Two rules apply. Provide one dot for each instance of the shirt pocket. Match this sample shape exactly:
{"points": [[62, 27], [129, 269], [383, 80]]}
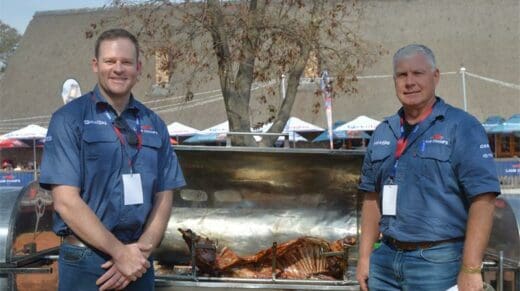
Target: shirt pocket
{"points": [[435, 159], [380, 159], [149, 153], [101, 146]]}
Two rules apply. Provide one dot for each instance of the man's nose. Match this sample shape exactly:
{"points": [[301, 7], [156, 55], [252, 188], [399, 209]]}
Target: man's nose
{"points": [[118, 67], [410, 80]]}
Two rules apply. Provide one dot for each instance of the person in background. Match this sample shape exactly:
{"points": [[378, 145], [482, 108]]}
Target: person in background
{"points": [[112, 172], [7, 165], [430, 185]]}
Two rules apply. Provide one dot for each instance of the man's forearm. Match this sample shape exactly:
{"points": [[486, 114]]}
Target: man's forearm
{"points": [[480, 221], [158, 219], [370, 217], [82, 220]]}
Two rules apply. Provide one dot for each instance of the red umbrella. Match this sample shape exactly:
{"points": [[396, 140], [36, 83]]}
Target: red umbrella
{"points": [[12, 143]]}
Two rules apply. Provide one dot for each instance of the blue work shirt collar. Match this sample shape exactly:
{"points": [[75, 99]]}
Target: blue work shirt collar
{"points": [[438, 112], [102, 103]]}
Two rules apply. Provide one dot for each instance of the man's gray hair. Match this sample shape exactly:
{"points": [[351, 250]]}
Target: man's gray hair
{"points": [[414, 49]]}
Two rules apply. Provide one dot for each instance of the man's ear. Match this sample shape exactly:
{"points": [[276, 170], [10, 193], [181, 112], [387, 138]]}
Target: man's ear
{"points": [[139, 66], [94, 65], [436, 76]]}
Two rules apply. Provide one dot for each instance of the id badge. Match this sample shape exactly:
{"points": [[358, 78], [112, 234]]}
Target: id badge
{"points": [[132, 189], [389, 200]]}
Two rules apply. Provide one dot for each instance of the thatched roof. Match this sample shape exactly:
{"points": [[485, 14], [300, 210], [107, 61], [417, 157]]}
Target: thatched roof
{"points": [[482, 36]]}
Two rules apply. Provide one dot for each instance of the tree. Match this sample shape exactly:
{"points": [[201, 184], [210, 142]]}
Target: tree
{"points": [[9, 39], [248, 42]]}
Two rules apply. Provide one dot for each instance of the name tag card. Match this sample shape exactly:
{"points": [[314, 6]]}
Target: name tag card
{"points": [[389, 200], [133, 189]]}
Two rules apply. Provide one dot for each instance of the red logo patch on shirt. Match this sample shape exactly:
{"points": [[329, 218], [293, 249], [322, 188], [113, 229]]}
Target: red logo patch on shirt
{"points": [[147, 127], [438, 136]]}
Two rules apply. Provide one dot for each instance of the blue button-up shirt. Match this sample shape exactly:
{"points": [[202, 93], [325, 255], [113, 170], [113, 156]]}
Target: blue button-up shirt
{"points": [[83, 150], [447, 162]]}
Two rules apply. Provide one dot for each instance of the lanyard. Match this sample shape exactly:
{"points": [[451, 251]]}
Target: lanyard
{"points": [[402, 142], [131, 161]]}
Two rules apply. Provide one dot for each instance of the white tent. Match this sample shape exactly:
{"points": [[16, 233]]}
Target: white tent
{"points": [[294, 124], [219, 128], [360, 123], [179, 129], [32, 132], [294, 137]]}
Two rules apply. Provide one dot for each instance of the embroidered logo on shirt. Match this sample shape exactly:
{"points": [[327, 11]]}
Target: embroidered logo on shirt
{"points": [[382, 142], [96, 122], [487, 156], [438, 139], [437, 136], [48, 138], [150, 131]]}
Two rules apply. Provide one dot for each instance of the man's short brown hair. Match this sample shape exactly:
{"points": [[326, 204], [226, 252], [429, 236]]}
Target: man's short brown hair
{"points": [[116, 33]]}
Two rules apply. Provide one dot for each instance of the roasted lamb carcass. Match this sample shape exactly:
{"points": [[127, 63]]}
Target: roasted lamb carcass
{"points": [[301, 258], [205, 251]]}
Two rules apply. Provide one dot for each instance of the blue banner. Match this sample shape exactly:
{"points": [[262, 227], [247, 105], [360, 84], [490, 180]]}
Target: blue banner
{"points": [[508, 167], [15, 178]]}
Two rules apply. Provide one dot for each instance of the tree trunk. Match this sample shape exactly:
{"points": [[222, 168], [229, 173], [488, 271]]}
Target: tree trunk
{"points": [[236, 90], [306, 46]]}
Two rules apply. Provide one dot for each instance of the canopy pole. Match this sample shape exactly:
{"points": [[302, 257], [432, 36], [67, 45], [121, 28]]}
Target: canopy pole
{"points": [[34, 160], [463, 75]]}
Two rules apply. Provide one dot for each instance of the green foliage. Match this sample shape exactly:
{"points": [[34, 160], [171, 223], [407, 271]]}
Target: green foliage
{"points": [[9, 38]]}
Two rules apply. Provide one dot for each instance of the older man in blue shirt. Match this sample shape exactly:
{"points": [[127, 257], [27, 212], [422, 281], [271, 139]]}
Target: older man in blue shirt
{"points": [[112, 172], [430, 183]]}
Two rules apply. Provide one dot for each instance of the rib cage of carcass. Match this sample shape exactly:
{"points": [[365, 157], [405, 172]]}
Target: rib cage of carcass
{"points": [[302, 258]]}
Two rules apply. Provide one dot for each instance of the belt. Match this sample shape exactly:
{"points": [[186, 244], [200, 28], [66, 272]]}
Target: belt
{"points": [[412, 246], [73, 240]]}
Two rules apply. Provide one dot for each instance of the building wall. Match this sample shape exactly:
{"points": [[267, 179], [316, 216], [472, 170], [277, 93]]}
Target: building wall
{"points": [[481, 35]]}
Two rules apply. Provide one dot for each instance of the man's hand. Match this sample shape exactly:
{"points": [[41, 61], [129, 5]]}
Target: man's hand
{"points": [[470, 282], [362, 274], [112, 279], [130, 261]]}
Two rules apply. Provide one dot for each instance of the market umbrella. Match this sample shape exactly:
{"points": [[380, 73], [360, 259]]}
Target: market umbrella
{"points": [[12, 143], [213, 134], [179, 129], [30, 132], [179, 132], [492, 122], [509, 126], [360, 123], [219, 128], [294, 124]]}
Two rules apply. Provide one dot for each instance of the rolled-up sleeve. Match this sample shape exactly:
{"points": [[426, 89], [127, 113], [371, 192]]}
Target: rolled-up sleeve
{"points": [[170, 174], [367, 180], [473, 160], [61, 162]]}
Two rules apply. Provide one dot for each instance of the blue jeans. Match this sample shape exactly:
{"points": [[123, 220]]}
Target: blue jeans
{"points": [[80, 267], [434, 269]]}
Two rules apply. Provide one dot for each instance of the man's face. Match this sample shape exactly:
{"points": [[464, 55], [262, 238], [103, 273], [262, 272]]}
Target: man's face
{"points": [[117, 67], [415, 82]]}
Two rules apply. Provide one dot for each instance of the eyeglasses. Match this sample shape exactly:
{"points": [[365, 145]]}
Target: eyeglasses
{"points": [[131, 136]]}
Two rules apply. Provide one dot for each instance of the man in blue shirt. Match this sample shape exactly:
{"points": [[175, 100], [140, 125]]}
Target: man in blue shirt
{"points": [[112, 172], [430, 183]]}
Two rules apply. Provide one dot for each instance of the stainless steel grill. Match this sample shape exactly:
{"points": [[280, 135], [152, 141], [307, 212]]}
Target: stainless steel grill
{"points": [[503, 251], [28, 248], [247, 199]]}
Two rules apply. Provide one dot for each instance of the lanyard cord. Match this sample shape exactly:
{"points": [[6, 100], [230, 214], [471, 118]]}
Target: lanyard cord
{"points": [[402, 142], [138, 131]]}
